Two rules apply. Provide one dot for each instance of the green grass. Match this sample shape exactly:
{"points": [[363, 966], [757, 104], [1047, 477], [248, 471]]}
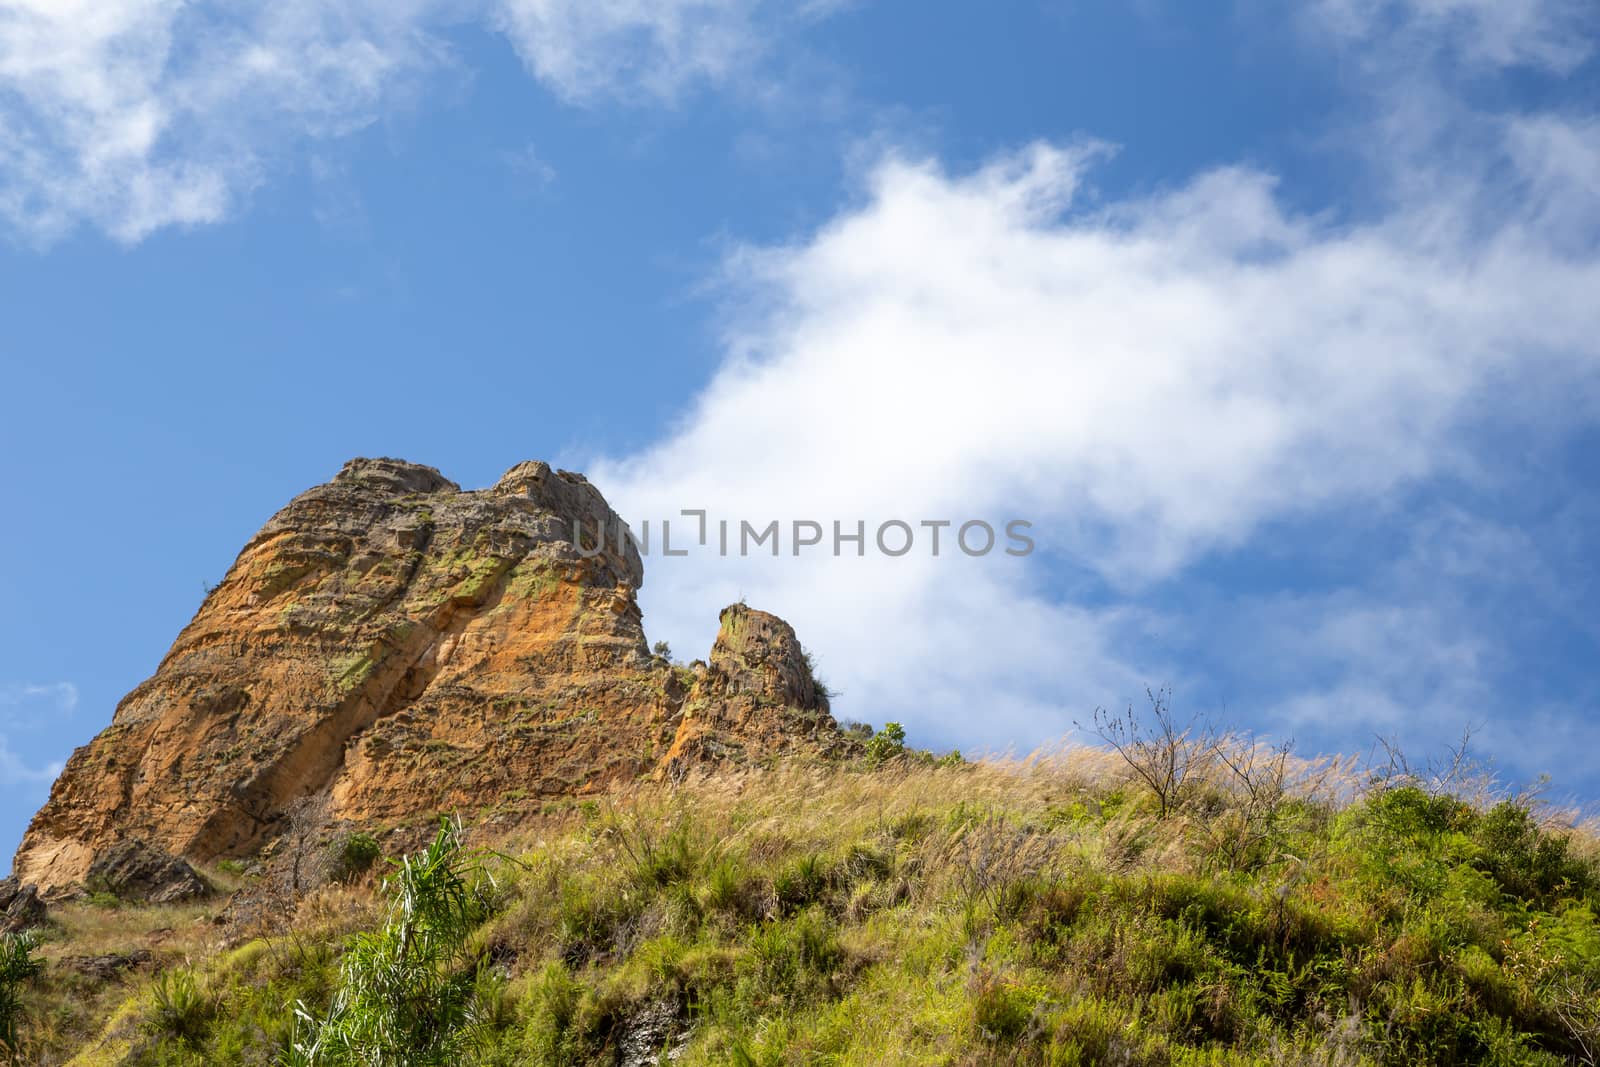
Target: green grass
{"points": [[1029, 913]]}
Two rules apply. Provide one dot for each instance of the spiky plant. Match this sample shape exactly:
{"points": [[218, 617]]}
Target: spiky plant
{"points": [[408, 992], [17, 965]]}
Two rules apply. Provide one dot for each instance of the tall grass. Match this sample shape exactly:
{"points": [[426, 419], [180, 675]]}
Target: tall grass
{"points": [[1046, 910]]}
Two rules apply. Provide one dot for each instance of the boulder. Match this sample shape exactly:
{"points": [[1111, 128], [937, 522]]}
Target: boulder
{"points": [[20, 907], [104, 968], [141, 873]]}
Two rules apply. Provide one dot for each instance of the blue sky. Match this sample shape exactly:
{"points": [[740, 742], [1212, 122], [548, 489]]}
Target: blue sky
{"points": [[1281, 323]]}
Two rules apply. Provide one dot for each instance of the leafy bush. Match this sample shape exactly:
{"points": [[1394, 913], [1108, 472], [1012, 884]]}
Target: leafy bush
{"points": [[886, 744], [352, 856], [792, 962], [1002, 1010], [1527, 862]]}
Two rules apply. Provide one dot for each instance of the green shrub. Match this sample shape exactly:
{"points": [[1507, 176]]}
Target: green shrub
{"points": [[1002, 1010], [352, 856], [801, 881], [886, 744], [551, 1035], [725, 886], [1528, 862], [790, 962], [180, 1012], [103, 898], [1409, 813]]}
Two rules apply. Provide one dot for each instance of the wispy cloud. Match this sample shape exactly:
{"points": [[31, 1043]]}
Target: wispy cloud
{"points": [[584, 50], [1554, 35], [529, 169], [54, 697], [14, 771], [29, 706], [134, 115]]}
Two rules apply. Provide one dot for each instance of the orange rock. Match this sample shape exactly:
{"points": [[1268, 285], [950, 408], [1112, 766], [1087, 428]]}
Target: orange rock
{"points": [[404, 648]]}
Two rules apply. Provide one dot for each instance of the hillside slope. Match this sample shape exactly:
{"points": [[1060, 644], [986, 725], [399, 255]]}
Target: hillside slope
{"points": [[913, 913]]}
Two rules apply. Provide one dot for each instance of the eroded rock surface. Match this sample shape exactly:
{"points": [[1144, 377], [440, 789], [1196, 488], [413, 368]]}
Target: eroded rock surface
{"points": [[138, 872], [105, 968], [20, 907], [401, 647], [757, 686]]}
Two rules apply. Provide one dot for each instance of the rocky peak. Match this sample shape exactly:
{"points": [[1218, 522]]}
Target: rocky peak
{"points": [[390, 646], [760, 655], [395, 476]]}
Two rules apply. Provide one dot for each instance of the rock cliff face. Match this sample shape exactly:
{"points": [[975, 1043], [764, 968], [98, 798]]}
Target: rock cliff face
{"points": [[394, 647]]}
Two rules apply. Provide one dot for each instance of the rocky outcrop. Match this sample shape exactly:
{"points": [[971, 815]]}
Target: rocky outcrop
{"points": [[105, 968], [760, 657], [755, 690], [20, 907], [394, 647], [137, 872]]}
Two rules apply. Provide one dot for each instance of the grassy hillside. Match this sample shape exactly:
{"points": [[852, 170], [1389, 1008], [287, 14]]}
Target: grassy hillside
{"points": [[899, 912]]}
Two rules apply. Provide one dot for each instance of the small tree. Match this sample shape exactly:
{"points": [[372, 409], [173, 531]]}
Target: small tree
{"points": [[1166, 757], [307, 818], [17, 965], [887, 743], [859, 730], [408, 992], [1258, 777]]}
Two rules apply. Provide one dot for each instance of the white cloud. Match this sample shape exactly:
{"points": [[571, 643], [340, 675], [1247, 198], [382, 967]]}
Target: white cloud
{"points": [[134, 115], [1149, 381], [138, 114], [584, 48], [1552, 34]]}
